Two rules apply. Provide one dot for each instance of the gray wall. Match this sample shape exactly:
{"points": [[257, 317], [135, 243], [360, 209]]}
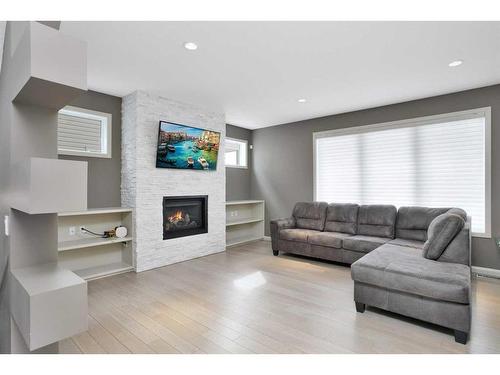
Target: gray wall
{"points": [[238, 179], [104, 175], [283, 156]]}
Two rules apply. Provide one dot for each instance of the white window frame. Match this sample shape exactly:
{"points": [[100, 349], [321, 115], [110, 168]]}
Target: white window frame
{"points": [[426, 120], [246, 151], [106, 132]]}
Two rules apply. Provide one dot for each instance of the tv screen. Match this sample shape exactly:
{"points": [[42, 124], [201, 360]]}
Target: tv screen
{"points": [[185, 147]]}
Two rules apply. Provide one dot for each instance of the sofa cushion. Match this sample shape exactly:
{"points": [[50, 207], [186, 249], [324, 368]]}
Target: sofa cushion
{"points": [[298, 234], [404, 269], [410, 243], [310, 215], [363, 244], [377, 220], [412, 222], [342, 217], [328, 239], [441, 232], [458, 251]]}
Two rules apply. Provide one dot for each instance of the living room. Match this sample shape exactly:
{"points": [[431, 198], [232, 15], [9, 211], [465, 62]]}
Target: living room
{"points": [[249, 187]]}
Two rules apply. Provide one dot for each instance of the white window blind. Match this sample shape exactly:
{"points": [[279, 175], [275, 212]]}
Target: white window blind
{"points": [[439, 161], [83, 132]]}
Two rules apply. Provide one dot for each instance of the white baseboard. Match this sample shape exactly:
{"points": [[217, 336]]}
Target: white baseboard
{"points": [[266, 238], [488, 272]]}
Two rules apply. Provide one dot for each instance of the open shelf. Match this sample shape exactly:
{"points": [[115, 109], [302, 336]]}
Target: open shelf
{"points": [[95, 211], [90, 242], [243, 221], [95, 257], [242, 240], [96, 272], [233, 203]]}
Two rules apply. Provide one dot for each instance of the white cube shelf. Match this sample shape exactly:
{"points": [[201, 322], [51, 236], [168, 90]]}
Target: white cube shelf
{"points": [[40, 186], [52, 67], [48, 304]]}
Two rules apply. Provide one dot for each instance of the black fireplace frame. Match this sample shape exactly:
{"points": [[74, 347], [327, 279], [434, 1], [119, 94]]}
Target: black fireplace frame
{"points": [[192, 231]]}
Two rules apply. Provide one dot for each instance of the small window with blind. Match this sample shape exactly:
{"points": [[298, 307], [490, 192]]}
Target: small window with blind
{"points": [[435, 161], [235, 153], [82, 132]]}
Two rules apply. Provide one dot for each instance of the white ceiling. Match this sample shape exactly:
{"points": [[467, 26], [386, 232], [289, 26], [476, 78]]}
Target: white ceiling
{"points": [[256, 71]]}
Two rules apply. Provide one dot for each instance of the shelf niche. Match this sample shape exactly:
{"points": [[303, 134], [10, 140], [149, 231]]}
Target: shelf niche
{"points": [[89, 256], [244, 221]]}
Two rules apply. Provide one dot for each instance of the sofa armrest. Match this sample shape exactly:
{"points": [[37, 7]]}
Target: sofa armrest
{"points": [[276, 226]]}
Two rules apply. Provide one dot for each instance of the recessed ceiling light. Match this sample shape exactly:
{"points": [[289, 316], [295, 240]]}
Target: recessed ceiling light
{"points": [[190, 46], [455, 63], [302, 100]]}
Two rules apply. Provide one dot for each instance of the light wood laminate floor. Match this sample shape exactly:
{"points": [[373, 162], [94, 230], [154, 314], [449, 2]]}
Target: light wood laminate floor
{"points": [[245, 300]]}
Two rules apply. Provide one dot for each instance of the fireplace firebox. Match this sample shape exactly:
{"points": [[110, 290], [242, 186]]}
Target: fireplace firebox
{"points": [[184, 216]]}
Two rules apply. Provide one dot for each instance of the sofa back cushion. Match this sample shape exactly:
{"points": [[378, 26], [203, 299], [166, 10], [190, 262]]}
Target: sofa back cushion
{"points": [[310, 215], [377, 220], [412, 222], [342, 217], [440, 234], [458, 251]]}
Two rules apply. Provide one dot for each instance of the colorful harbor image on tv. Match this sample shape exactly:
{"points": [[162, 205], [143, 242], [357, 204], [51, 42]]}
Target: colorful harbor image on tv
{"points": [[186, 147]]}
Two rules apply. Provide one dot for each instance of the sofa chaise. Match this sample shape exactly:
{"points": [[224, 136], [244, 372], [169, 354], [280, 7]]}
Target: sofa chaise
{"points": [[414, 261]]}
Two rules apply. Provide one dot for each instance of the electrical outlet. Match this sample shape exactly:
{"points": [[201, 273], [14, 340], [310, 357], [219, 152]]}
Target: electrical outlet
{"points": [[72, 231]]}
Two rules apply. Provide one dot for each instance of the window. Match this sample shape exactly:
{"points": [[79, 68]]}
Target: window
{"points": [[235, 154], [436, 161], [82, 132]]}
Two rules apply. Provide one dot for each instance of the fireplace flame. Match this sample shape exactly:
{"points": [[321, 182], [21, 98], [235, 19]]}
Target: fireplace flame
{"points": [[175, 217]]}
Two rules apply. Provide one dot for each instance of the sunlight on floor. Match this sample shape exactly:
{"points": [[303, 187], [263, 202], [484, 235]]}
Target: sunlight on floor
{"points": [[250, 281]]}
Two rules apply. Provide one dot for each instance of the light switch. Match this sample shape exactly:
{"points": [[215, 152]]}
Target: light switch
{"points": [[6, 224]]}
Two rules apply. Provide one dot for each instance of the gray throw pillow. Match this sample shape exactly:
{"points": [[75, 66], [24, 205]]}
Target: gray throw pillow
{"points": [[441, 232]]}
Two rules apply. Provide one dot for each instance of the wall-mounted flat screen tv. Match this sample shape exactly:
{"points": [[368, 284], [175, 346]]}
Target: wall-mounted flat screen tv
{"points": [[186, 147]]}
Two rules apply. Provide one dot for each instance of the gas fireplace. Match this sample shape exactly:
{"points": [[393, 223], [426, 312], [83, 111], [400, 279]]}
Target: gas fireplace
{"points": [[184, 216]]}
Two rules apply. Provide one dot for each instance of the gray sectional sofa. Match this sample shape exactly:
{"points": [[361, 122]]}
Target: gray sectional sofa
{"points": [[414, 261]]}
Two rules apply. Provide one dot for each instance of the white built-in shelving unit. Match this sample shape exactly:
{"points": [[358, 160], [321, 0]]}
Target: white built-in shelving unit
{"points": [[244, 221], [92, 257], [42, 71]]}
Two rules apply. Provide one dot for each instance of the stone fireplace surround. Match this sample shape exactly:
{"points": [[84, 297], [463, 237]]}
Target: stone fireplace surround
{"points": [[144, 185]]}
